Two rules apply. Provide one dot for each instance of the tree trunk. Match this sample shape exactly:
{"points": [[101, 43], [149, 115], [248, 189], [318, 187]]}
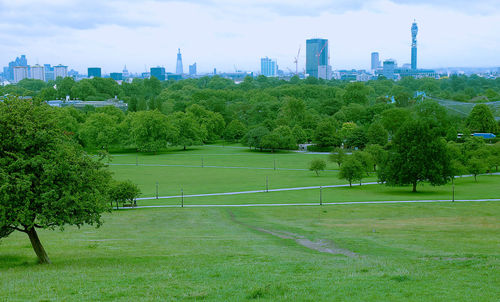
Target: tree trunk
{"points": [[37, 246], [375, 168], [184, 147], [414, 187], [350, 183], [475, 177]]}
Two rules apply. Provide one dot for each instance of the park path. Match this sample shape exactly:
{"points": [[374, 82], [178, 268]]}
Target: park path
{"points": [[208, 166], [255, 191], [308, 203], [270, 190]]}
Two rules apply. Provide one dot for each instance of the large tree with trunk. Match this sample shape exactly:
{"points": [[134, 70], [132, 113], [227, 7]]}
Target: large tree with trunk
{"points": [[47, 181], [417, 154]]}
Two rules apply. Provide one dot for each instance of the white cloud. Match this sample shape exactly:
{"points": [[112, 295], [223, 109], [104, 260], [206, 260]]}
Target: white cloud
{"points": [[224, 33]]}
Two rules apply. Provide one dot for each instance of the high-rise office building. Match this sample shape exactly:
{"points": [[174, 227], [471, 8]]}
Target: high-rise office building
{"points": [[117, 76], [388, 69], [60, 71], [19, 61], [268, 67], [49, 72], [375, 61], [37, 72], [94, 72], [192, 69], [158, 72], [178, 66], [414, 32], [317, 55], [20, 73]]}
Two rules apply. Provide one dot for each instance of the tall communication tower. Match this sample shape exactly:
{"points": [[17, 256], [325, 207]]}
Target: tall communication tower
{"points": [[414, 32]]}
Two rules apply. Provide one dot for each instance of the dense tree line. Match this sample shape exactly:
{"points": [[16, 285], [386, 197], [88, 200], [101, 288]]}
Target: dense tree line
{"points": [[263, 113]]}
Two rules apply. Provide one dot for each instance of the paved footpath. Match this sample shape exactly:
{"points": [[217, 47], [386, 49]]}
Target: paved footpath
{"points": [[307, 204], [257, 191]]}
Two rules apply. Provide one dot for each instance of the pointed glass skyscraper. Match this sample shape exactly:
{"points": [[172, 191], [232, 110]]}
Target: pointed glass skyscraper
{"points": [[414, 32], [178, 66]]}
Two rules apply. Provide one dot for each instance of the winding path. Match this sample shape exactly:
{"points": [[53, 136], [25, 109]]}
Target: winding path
{"points": [[308, 203]]}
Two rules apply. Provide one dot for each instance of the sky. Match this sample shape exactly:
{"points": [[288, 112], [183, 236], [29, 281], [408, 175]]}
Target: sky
{"points": [[235, 34]]}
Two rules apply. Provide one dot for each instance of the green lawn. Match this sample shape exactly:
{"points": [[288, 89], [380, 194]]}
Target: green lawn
{"points": [[198, 180], [410, 252], [371, 252], [487, 187]]}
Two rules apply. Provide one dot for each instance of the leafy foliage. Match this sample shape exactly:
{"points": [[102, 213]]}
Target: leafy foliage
{"points": [[46, 179], [417, 154]]}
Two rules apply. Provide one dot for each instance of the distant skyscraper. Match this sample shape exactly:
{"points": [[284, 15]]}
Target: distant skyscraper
{"points": [[37, 72], [117, 76], [60, 71], [49, 72], [158, 72], [414, 32], [375, 61], [192, 69], [125, 73], [268, 67], [94, 72], [316, 56], [19, 61], [20, 73], [178, 66], [388, 69]]}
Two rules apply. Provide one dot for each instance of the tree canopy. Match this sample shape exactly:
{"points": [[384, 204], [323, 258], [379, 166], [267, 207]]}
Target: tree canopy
{"points": [[46, 179], [417, 154]]}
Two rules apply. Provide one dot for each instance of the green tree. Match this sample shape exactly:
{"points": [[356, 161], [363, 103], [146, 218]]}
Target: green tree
{"points": [[365, 159], [393, 119], [494, 158], [83, 90], [99, 131], [337, 156], [122, 192], [481, 119], [190, 132], [293, 111], [317, 165], [325, 134], [357, 93], [352, 170], [254, 137], [417, 154], [299, 134], [46, 179], [151, 131], [356, 138], [476, 166], [235, 130], [63, 86], [378, 155], [377, 134]]}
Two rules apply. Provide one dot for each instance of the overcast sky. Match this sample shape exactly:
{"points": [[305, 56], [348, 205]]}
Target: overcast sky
{"points": [[231, 33]]}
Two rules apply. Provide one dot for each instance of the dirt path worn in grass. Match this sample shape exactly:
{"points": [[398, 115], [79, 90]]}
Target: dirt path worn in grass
{"points": [[321, 245]]}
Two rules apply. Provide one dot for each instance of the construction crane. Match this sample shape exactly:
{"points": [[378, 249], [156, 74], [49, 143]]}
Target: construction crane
{"points": [[296, 61]]}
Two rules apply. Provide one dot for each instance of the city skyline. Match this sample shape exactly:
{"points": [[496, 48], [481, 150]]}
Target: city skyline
{"points": [[224, 35]]}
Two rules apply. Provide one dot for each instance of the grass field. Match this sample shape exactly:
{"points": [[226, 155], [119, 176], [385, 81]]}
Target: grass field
{"points": [[371, 252], [226, 177], [197, 180], [410, 252]]}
